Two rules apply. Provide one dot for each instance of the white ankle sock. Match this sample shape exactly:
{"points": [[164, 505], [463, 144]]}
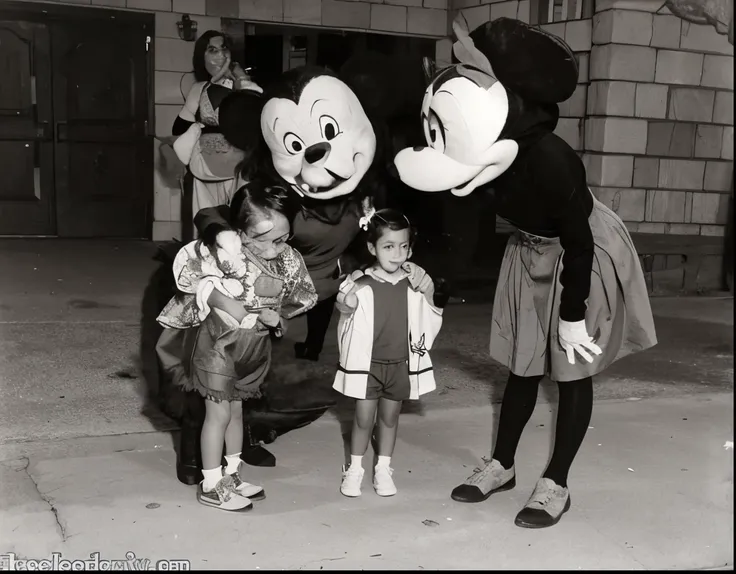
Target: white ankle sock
{"points": [[211, 478], [384, 461], [356, 460], [233, 463]]}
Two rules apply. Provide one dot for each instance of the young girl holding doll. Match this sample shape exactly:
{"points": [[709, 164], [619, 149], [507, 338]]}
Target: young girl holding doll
{"points": [[237, 302], [388, 322]]}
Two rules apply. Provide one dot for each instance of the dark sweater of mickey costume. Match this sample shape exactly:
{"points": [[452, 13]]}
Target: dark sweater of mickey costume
{"points": [[545, 193]]}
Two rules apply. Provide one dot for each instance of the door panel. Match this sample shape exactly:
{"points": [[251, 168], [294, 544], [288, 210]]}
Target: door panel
{"points": [[26, 144], [104, 156]]}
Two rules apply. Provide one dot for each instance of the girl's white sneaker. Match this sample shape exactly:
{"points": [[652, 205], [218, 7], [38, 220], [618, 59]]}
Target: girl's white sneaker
{"points": [[382, 481], [352, 479]]}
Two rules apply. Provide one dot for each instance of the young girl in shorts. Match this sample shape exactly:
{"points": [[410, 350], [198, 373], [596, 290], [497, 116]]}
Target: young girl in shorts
{"points": [[387, 325], [237, 303]]}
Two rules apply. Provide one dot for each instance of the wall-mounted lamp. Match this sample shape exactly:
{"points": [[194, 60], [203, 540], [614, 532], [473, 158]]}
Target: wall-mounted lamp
{"points": [[187, 28]]}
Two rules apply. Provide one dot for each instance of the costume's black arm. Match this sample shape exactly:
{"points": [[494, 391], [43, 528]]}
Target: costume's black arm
{"points": [[180, 126], [210, 221]]}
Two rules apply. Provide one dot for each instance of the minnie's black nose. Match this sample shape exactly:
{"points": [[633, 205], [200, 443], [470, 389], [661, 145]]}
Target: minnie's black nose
{"points": [[316, 152]]}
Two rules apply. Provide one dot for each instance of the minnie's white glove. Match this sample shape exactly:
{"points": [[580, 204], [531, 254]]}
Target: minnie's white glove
{"points": [[229, 252], [574, 337]]}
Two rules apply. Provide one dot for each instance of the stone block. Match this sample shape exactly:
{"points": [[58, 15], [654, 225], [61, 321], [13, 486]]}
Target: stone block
{"points": [[583, 67], [727, 143], [555, 28], [172, 55], [524, 13], [628, 204], [458, 4], [224, 8], [267, 10], [713, 230], [388, 18], [718, 72], [632, 226], [670, 139], [579, 35], [723, 108], [336, 14], [668, 281], [413, 3], [166, 24], [161, 204], [678, 68], [649, 227], [111, 3], [616, 135], [681, 229], [426, 21], [607, 98], [701, 38], [718, 176], [666, 32], [665, 206], [622, 27], [443, 53], [609, 170], [190, 7], [681, 174], [708, 141], [569, 129], [691, 105], [622, 62], [504, 9], [154, 5], [477, 15], [646, 172], [303, 11], [651, 101], [705, 208], [165, 116], [574, 106], [168, 88], [437, 4]]}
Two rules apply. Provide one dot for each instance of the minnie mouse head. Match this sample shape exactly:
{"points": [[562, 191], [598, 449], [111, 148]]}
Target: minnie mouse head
{"points": [[470, 109]]}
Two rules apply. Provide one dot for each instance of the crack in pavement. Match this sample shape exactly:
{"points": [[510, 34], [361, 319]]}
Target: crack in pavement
{"points": [[46, 499]]}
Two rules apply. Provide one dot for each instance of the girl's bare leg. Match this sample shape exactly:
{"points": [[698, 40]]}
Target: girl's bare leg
{"points": [[388, 425], [365, 416]]}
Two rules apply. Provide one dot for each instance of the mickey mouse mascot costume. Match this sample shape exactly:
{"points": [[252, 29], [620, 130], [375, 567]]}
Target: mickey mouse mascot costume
{"points": [[571, 296], [315, 140]]}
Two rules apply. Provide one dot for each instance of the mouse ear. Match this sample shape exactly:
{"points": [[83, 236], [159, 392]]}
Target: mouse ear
{"points": [[536, 65]]}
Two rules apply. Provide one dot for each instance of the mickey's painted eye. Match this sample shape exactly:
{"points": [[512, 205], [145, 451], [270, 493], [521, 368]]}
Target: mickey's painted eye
{"points": [[434, 132], [293, 144], [329, 127]]}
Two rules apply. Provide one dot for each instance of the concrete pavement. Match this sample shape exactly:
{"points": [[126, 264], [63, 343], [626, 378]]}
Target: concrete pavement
{"points": [[652, 488], [87, 466]]}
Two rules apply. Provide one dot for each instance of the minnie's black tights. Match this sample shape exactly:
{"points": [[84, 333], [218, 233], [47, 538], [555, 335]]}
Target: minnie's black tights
{"points": [[573, 417]]}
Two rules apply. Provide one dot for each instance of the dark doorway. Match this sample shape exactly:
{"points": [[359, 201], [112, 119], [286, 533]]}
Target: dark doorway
{"points": [[74, 120]]}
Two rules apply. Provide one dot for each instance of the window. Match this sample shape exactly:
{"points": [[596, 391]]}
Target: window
{"points": [[550, 11]]}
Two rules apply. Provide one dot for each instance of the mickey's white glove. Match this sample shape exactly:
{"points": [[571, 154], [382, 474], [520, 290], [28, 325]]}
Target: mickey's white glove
{"points": [[574, 337], [229, 252]]}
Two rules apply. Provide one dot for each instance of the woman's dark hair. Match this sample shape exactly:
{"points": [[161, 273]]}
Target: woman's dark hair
{"points": [[388, 218], [255, 197], [200, 47], [240, 123]]}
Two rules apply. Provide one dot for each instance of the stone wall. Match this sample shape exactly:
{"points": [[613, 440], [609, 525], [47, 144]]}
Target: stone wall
{"points": [[659, 133]]}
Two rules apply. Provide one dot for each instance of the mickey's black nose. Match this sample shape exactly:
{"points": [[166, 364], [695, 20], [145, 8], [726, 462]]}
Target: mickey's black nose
{"points": [[316, 152], [419, 147]]}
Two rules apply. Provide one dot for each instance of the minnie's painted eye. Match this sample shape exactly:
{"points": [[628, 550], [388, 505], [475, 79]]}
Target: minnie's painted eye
{"points": [[293, 144], [434, 131], [329, 127]]}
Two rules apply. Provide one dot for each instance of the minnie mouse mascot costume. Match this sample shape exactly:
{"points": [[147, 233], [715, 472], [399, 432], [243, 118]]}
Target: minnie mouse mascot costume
{"points": [[571, 296]]}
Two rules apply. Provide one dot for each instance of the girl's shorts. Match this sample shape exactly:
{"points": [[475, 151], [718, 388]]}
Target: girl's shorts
{"points": [[389, 381], [229, 363]]}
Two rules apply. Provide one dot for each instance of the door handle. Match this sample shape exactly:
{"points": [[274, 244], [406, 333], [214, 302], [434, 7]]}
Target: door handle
{"points": [[62, 132]]}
